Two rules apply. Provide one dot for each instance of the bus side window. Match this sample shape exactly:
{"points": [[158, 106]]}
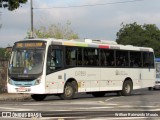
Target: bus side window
{"points": [[135, 59], [91, 57], [122, 58], [79, 59], [71, 56], [147, 60], [68, 62], [49, 61], [107, 57], [86, 55], [54, 59], [151, 58]]}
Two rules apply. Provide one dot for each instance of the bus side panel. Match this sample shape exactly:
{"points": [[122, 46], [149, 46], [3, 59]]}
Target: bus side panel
{"points": [[93, 75], [109, 80], [87, 78], [112, 78], [55, 82], [99, 79]]}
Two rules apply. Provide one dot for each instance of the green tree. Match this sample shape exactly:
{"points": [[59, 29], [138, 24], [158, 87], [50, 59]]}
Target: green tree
{"points": [[11, 4], [58, 31], [5, 53], [147, 35], [2, 52]]}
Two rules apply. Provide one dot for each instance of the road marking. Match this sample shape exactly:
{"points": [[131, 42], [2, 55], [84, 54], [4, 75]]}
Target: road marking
{"points": [[126, 106], [15, 109], [147, 106], [120, 118], [61, 110], [61, 118], [36, 104], [111, 98], [93, 108], [156, 109], [137, 106], [112, 104], [97, 118], [99, 107], [65, 103]]}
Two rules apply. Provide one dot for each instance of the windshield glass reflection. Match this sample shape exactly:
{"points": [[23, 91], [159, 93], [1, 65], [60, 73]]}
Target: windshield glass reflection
{"points": [[27, 61]]}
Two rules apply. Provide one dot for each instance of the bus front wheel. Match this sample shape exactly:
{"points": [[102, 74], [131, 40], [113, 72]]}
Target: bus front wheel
{"points": [[69, 92], [38, 97], [127, 88]]}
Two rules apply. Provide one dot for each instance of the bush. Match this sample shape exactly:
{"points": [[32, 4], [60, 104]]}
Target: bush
{"points": [[3, 76]]}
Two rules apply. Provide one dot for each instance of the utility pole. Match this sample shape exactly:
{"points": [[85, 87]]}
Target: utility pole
{"points": [[31, 35]]}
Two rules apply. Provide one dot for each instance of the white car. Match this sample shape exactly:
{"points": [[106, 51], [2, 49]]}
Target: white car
{"points": [[157, 82]]}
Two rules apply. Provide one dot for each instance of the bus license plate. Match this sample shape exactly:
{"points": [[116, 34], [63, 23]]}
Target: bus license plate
{"points": [[22, 89]]}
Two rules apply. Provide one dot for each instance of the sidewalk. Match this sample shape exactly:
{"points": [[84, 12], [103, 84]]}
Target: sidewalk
{"points": [[14, 97]]}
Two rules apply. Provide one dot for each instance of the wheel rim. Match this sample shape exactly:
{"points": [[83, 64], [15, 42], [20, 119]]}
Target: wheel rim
{"points": [[127, 88], [68, 91]]}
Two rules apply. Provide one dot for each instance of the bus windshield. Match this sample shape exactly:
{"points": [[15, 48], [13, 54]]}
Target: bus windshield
{"points": [[27, 61]]}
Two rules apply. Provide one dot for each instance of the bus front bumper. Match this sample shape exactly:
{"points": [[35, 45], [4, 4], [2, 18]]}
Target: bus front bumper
{"points": [[37, 89]]}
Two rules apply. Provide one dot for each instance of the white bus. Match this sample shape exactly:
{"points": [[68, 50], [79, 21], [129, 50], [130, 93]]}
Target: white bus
{"points": [[42, 67]]}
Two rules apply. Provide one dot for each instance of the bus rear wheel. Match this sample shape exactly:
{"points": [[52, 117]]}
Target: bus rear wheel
{"points": [[127, 88], [69, 92], [38, 97]]}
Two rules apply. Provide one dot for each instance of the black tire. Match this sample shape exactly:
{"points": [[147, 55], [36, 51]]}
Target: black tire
{"points": [[150, 88], [119, 93], [38, 97], [69, 92], [127, 88], [98, 94]]}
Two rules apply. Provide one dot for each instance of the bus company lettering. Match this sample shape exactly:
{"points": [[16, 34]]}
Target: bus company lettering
{"points": [[80, 73], [120, 72], [91, 75]]}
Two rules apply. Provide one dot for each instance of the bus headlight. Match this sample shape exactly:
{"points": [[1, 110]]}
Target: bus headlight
{"points": [[38, 81], [10, 81]]}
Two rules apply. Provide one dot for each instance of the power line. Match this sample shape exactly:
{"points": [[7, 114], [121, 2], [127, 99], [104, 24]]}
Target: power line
{"points": [[129, 1]]}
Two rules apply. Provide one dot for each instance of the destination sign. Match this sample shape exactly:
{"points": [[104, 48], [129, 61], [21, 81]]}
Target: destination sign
{"points": [[29, 44]]}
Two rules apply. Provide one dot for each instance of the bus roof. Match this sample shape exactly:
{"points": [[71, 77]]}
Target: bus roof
{"points": [[91, 43]]}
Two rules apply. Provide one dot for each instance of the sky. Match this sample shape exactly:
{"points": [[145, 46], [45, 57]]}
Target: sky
{"points": [[100, 21]]}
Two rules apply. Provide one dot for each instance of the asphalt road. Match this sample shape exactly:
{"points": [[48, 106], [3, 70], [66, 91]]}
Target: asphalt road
{"points": [[142, 105]]}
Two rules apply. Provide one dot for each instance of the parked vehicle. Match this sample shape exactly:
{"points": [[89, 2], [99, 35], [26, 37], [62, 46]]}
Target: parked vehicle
{"points": [[157, 82]]}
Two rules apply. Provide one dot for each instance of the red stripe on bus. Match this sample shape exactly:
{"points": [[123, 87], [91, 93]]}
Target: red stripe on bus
{"points": [[103, 46]]}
